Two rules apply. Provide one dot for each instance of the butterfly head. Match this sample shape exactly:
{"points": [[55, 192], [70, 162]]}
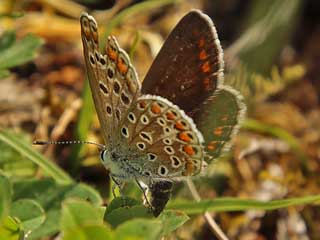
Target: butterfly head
{"points": [[111, 160], [107, 158]]}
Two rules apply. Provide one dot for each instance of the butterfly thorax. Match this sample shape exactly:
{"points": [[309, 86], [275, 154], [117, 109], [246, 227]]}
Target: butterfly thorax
{"points": [[122, 161]]}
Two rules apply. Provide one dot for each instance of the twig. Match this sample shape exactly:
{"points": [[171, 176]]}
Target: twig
{"points": [[214, 226]]}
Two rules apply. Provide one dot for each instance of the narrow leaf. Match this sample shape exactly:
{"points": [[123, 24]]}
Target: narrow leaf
{"points": [[25, 149], [236, 204]]}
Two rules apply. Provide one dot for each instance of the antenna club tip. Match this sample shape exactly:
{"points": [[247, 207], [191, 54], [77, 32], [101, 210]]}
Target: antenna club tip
{"points": [[38, 142]]}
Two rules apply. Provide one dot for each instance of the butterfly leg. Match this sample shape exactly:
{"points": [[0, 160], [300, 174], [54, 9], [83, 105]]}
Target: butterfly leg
{"points": [[117, 183], [144, 190]]}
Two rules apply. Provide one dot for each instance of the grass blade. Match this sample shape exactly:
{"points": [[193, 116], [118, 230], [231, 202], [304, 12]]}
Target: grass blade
{"points": [[25, 149]]}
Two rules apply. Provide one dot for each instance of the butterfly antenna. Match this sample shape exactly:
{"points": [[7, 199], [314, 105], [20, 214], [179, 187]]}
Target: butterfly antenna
{"points": [[100, 146]]}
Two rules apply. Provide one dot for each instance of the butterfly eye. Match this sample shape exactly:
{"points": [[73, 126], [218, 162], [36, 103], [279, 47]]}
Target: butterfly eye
{"points": [[103, 156]]}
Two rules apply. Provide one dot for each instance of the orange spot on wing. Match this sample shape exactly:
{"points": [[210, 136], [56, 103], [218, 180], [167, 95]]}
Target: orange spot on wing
{"points": [[207, 84], [112, 54], [205, 67], [218, 131], [122, 67], [188, 149], [195, 32], [188, 168], [184, 137], [142, 104], [203, 55], [170, 116], [178, 125], [212, 145], [155, 108], [225, 118], [201, 43], [95, 37]]}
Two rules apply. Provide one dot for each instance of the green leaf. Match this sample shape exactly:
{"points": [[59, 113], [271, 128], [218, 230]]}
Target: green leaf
{"points": [[5, 196], [50, 195], [76, 213], [122, 209], [29, 212], [125, 214], [236, 204], [25, 149], [81, 220], [86, 192], [139, 229], [171, 220], [20, 52], [94, 232], [120, 202], [15, 164], [7, 39], [10, 229]]}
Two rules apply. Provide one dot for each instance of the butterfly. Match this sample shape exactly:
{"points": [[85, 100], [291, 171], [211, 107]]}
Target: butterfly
{"points": [[182, 115]]}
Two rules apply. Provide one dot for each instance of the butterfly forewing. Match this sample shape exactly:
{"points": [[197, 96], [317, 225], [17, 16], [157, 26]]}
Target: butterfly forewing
{"points": [[96, 70], [113, 80], [189, 66]]}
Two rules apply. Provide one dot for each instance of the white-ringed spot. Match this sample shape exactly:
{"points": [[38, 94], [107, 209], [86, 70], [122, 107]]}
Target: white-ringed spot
{"points": [[167, 130], [144, 119], [91, 59], [147, 173], [132, 117], [125, 99], [103, 88], [116, 87], [141, 145], [163, 171], [167, 141], [175, 161], [169, 150], [103, 61], [146, 137], [109, 110], [110, 73], [152, 156], [125, 132], [161, 121]]}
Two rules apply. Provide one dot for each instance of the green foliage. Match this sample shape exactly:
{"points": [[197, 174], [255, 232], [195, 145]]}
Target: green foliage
{"points": [[24, 148], [10, 229], [237, 204], [270, 26], [5, 196], [14, 53], [255, 87], [29, 212]]}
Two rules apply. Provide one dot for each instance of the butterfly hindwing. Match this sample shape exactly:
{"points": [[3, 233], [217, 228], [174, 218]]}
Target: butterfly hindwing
{"points": [[218, 119], [166, 135]]}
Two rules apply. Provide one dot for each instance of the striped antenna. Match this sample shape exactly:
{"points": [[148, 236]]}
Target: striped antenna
{"points": [[101, 146]]}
